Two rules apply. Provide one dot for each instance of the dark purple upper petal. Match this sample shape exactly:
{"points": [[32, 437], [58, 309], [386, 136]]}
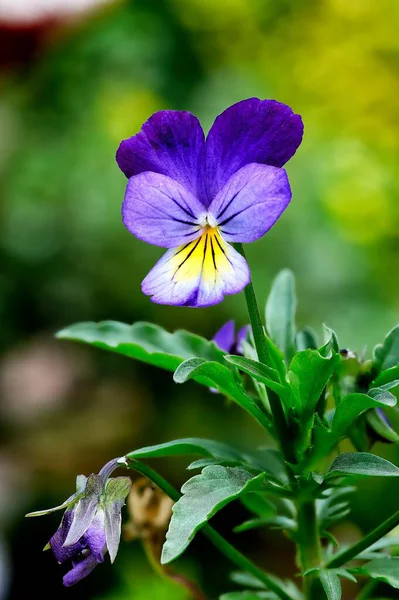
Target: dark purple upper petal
{"points": [[224, 337], [172, 143], [81, 569], [251, 131]]}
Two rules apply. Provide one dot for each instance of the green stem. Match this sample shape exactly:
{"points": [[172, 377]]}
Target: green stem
{"points": [[367, 590], [309, 545], [259, 334], [221, 544], [350, 553]]}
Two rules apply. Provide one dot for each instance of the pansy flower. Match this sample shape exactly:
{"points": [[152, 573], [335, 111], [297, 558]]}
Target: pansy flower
{"points": [[196, 196]]}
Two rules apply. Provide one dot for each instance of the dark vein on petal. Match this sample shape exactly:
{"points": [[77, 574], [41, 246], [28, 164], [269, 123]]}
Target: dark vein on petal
{"points": [[187, 211], [228, 204], [232, 217], [187, 257]]}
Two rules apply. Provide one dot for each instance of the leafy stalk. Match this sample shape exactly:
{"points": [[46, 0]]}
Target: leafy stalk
{"points": [[263, 356], [217, 540]]}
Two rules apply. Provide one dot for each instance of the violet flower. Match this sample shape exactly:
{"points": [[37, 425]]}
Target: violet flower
{"points": [[194, 195], [228, 340], [91, 524]]}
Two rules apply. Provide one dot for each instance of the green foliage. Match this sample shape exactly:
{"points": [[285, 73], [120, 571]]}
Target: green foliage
{"points": [[331, 584], [280, 313], [362, 463], [309, 373], [218, 376], [203, 496], [146, 342], [386, 355], [384, 569], [249, 595]]}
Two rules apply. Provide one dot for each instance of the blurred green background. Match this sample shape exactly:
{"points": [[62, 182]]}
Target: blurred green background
{"points": [[72, 85]]}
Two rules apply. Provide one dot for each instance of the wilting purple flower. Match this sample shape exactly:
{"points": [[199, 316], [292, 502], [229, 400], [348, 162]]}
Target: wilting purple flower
{"points": [[91, 524], [194, 196], [227, 339]]}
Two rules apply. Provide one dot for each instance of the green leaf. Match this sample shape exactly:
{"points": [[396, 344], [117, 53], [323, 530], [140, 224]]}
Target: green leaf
{"points": [[386, 355], [253, 524], [203, 496], [346, 413], [331, 584], [280, 313], [383, 569], [362, 463], [245, 579], [216, 375], [309, 372], [386, 376], [381, 427], [266, 375], [143, 341], [306, 339], [249, 595], [331, 341], [186, 447]]}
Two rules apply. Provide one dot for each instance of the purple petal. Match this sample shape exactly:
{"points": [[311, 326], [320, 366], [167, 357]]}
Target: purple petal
{"points": [[251, 131], [160, 211], [95, 536], [80, 570], [172, 143], [197, 274], [240, 338], [62, 553], [224, 338], [251, 202]]}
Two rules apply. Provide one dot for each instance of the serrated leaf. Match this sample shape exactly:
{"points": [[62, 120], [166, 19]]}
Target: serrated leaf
{"points": [[203, 496], [146, 342], [331, 584], [280, 313], [384, 569], [308, 374], [386, 355], [201, 463], [362, 463], [222, 378]]}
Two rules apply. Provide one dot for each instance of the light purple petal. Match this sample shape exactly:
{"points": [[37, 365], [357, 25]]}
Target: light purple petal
{"points": [[225, 336], [172, 143], [251, 131], [160, 211], [85, 509], [80, 570], [95, 536], [251, 202], [198, 274]]}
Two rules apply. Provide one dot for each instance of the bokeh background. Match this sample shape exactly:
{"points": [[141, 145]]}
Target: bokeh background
{"points": [[76, 78]]}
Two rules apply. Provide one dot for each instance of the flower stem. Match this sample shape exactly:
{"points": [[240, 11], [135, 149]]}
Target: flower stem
{"points": [[309, 545], [217, 540], [376, 534], [259, 334], [367, 590]]}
